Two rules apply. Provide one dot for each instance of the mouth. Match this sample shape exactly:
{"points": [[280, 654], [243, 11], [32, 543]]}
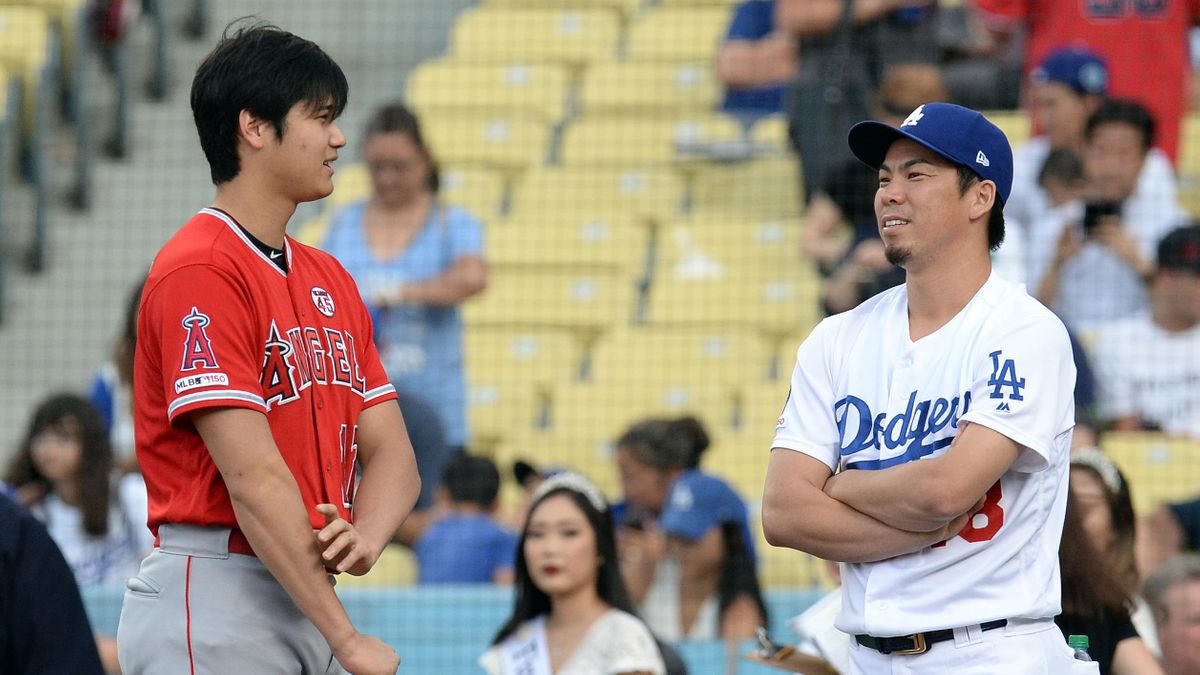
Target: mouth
{"points": [[891, 222], [328, 164], [550, 570]]}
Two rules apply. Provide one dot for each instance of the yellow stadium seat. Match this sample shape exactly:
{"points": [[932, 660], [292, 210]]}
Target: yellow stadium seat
{"points": [[538, 89], [740, 245], [25, 42], [609, 141], [776, 302], [729, 357], [584, 301], [698, 3], [632, 88], [498, 410], [626, 8], [494, 141], [1189, 164], [760, 405], [586, 450], [608, 408], [575, 37], [678, 34], [570, 242], [1014, 123], [542, 357], [772, 132], [644, 192], [1159, 469], [762, 188], [477, 189]]}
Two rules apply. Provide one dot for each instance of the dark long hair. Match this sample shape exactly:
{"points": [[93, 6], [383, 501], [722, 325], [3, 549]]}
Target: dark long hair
{"points": [[1124, 522], [738, 574], [76, 415], [532, 602], [397, 118], [1091, 586], [666, 444]]}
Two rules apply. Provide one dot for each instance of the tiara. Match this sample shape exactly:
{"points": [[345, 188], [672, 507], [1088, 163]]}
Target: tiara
{"points": [[1099, 462], [568, 480]]}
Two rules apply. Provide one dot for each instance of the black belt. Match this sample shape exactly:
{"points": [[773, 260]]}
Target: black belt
{"points": [[917, 643]]}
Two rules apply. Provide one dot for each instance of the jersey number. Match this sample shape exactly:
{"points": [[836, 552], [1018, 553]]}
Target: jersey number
{"points": [[349, 442], [991, 514]]}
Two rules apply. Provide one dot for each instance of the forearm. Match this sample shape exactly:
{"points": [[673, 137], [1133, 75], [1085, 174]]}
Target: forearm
{"points": [[829, 529], [1047, 290], [464, 279], [389, 489], [272, 515], [908, 496], [743, 64], [638, 572], [842, 291]]}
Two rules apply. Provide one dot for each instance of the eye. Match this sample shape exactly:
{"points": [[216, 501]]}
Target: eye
{"points": [[884, 180], [534, 534], [570, 533]]}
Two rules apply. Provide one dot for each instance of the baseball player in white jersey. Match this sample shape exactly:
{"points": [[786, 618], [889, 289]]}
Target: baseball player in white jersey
{"points": [[925, 441]]}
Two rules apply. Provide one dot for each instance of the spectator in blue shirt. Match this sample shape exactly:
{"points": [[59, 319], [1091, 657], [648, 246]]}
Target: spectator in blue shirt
{"points": [[465, 545], [755, 62]]}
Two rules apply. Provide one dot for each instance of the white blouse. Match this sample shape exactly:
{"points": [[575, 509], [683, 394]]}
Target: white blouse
{"points": [[615, 643]]}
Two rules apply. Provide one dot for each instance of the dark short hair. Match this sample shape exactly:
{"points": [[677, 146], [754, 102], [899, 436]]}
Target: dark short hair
{"points": [[967, 178], [1123, 111], [265, 70], [1063, 166], [471, 479], [397, 118], [666, 444]]}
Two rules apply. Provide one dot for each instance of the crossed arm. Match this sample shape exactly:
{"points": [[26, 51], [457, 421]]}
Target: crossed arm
{"points": [[866, 516]]}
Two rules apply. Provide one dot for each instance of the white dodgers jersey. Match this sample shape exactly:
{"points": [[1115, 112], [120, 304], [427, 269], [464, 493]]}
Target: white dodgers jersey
{"points": [[866, 397]]}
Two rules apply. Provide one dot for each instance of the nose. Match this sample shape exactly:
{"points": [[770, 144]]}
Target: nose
{"points": [[891, 193], [338, 139]]}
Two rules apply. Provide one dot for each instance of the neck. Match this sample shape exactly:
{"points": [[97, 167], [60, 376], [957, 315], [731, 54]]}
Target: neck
{"points": [[67, 491], [466, 509], [575, 608], [263, 212], [939, 291], [699, 584]]}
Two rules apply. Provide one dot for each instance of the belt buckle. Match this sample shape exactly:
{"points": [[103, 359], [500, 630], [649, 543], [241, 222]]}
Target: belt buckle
{"points": [[919, 646]]}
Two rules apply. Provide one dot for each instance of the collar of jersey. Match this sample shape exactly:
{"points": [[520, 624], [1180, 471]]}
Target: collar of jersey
{"points": [[237, 229]]}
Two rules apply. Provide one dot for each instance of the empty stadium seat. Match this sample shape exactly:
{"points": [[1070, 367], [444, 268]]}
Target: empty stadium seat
{"points": [[1014, 123], [1189, 164], [772, 132], [499, 409], [506, 143], [609, 141], [776, 302], [574, 37], [1159, 469], [571, 241], [763, 188], [740, 245], [645, 192], [634, 88], [538, 89], [541, 357], [584, 301], [626, 8], [727, 356], [678, 34]]}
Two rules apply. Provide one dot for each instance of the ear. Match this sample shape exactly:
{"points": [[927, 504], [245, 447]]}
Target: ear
{"points": [[253, 130], [982, 196]]}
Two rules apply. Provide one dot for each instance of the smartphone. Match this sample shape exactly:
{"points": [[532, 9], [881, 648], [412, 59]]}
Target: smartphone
{"points": [[1095, 212]]}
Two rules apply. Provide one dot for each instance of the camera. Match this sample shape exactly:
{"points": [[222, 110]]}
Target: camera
{"points": [[1094, 212]]}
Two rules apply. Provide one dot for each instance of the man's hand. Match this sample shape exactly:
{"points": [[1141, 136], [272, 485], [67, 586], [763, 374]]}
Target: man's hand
{"points": [[1113, 235], [342, 548], [366, 655]]}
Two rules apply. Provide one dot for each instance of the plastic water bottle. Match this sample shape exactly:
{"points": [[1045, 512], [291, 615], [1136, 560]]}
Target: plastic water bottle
{"points": [[1079, 643]]}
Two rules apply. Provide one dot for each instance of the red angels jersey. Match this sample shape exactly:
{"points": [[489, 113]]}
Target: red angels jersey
{"points": [[222, 326], [1144, 43]]}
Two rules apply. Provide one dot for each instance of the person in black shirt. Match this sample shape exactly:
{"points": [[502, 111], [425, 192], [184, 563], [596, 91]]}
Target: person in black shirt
{"points": [[43, 626]]}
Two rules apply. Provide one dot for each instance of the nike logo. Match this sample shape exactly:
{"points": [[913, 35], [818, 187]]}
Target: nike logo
{"points": [[275, 255]]}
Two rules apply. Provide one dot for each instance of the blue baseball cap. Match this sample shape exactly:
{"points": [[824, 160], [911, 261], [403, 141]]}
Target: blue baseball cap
{"points": [[1080, 69], [959, 134], [699, 502]]}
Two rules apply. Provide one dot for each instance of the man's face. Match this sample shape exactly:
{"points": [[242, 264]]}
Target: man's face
{"points": [[1059, 112], [1179, 635], [1180, 291], [302, 160], [1113, 160]]}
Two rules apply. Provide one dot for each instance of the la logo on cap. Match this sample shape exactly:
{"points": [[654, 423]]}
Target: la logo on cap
{"points": [[982, 159], [914, 117]]}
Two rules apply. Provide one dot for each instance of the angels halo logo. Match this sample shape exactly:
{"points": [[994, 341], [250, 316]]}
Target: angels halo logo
{"points": [[322, 300]]}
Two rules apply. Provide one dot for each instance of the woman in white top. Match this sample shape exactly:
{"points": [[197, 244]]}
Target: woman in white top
{"points": [[572, 614], [64, 474]]}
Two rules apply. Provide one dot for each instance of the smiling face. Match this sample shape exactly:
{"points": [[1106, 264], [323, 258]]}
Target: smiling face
{"points": [[921, 214], [1113, 159], [560, 548], [301, 162]]}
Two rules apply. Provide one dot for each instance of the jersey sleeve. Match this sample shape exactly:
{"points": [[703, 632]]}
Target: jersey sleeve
{"points": [[807, 423], [466, 234], [1004, 15], [202, 323], [1023, 388], [751, 21]]}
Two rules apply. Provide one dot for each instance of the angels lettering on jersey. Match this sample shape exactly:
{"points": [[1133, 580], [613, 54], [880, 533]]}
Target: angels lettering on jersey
{"points": [[293, 359], [926, 424]]}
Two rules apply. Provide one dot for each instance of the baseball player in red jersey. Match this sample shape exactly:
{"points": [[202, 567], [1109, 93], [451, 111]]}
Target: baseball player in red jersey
{"points": [[272, 447]]}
